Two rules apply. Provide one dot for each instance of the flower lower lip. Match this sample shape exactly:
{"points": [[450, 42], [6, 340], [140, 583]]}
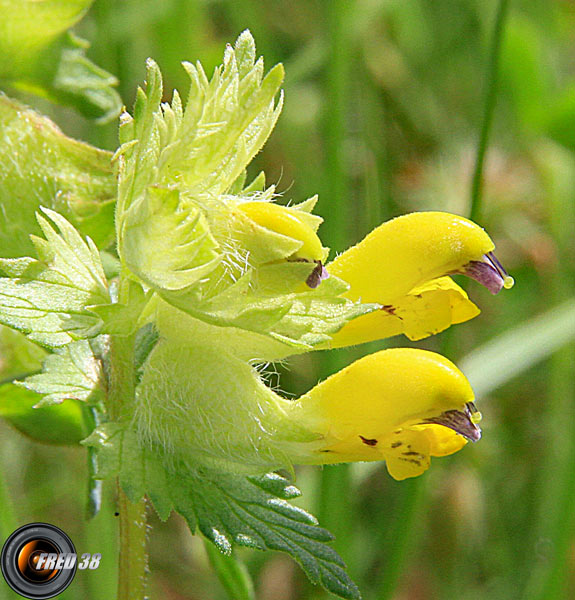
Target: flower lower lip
{"points": [[463, 422], [488, 272]]}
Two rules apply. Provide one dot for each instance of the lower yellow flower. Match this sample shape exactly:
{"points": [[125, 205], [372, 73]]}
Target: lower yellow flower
{"points": [[401, 405]]}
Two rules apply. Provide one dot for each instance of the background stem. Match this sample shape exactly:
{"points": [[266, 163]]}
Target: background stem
{"points": [[335, 497], [489, 106]]}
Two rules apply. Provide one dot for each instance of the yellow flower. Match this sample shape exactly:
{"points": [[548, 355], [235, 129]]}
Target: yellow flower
{"points": [[402, 405], [402, 265]]}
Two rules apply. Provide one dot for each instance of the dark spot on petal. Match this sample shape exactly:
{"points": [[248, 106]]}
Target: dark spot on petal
{"points": [[396, 444], [411, 460], [390, 310], [368, 441], [411, 453]]}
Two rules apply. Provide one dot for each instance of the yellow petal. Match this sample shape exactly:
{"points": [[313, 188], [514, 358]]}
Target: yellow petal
{"points": [[407, 252], [380, 407], [407, 454], [408, 451], [443, 441], [288, 222], [426, 310]]}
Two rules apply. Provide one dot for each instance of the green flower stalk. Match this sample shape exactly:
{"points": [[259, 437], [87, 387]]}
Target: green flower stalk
{"points": [[217, 279]]}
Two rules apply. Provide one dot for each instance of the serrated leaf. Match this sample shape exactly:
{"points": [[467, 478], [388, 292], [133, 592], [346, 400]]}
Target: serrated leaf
{"points": [[205, 147], [229, 509], [72, 373], [167, 242], [80, 83], [43, 167], [38, 55], [46, 299], [297, 320]]}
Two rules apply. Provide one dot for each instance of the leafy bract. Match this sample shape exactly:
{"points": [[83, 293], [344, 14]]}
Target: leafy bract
{"points": [[206, 146], [290, 322], [168, 243], [46, 299], [72, 373], [227, 508], [43, 167], [180, 226], [38, 55], [177, 163]]}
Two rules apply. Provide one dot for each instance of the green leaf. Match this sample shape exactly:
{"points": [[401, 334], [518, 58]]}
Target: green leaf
{"points": [[43, 167], [298, 320], [167, 243], [18, 356], [227, 508], [65, 423], [46, 299], [39, 56], [78, 82], [72, 373]]}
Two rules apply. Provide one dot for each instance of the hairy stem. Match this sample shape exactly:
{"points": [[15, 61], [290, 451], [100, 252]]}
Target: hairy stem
{"points": [[489, 106], [133, 559]]}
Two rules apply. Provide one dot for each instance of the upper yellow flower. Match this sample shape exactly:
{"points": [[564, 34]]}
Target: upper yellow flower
{"points": [[402, 265]]}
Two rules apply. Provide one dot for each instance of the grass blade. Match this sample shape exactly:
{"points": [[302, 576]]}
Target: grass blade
{"points": [[511, 353]]}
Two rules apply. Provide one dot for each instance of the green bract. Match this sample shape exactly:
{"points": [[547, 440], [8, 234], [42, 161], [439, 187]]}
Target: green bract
{"points": [[48, 299], [181, 230]]}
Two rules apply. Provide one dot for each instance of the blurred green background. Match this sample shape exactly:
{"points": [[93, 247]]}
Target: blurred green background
{"points": [[385, 105]]}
